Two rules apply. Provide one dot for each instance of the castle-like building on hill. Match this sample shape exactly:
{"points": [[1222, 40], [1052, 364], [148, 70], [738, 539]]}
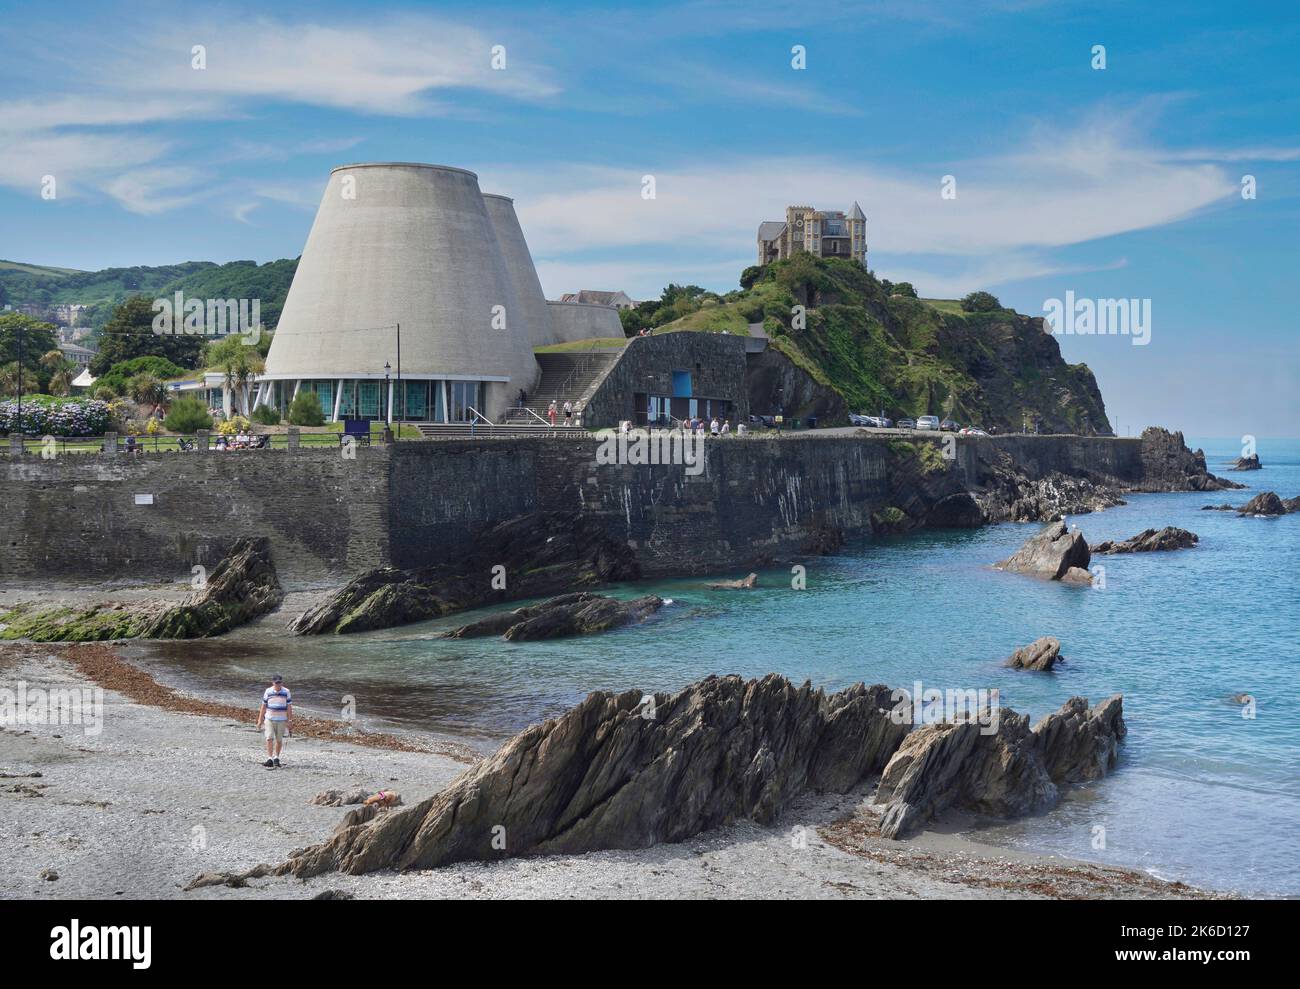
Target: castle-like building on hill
{"points": [[825, 233]]}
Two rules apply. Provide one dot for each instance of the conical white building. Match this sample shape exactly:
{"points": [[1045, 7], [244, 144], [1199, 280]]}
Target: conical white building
{"points": [[406, 298]]}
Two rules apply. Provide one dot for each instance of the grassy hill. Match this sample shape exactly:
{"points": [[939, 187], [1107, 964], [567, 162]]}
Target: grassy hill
{"points": [[906, 355], [25, 284]]}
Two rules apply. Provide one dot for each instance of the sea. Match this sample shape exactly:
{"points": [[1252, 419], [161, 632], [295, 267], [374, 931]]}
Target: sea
{"points": [[1207, 789]]}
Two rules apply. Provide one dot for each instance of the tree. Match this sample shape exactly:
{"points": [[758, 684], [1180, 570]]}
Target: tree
{"points": [[981, 302], [240, 363], [37, 338], [750, 275], [129, 333], [305, 409], [147, 390]]}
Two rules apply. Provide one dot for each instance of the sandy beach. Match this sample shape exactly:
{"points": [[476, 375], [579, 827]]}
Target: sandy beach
{"points": [[172, 786]]}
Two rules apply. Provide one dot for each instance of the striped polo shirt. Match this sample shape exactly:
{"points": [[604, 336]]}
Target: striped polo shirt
{"points": [[277, 703]]}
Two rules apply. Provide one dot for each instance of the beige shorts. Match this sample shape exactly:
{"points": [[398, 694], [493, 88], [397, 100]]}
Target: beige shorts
{"points": [[276, 730]]}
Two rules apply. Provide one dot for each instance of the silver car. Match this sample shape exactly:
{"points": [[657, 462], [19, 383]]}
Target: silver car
{"points": [[927, 422]]}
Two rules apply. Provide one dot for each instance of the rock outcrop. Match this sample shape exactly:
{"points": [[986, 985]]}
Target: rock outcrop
{"points": [[1150, 541], [1247, 463], [1008, 495], [743, 584], [1266, 503], [630, 770], [1167, 465], [569, 614], [1004, 773], [1052, 553], [242, 587], [537, 555], [1041, 654]]}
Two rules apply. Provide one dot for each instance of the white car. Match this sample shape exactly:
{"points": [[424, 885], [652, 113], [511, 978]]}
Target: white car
{"points": [[927, 422]]}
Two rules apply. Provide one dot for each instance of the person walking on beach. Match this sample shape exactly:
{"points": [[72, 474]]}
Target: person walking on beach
{"points": [[276, 713], [550, 413]]}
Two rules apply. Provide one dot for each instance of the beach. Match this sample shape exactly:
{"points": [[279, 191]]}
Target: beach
{"points": [[171, 786]]}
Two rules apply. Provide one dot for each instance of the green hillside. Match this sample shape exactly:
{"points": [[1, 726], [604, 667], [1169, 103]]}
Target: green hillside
{"points": [[24, 284], [882, 348]]}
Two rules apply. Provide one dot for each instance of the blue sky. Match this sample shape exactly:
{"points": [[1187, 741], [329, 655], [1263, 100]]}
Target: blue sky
{"points": [[1115, 183]]}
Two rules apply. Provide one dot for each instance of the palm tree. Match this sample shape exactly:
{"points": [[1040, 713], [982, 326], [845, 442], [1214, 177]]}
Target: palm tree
{"points": [[240, 368], [146, 389], [9, 383], [61, 372]]}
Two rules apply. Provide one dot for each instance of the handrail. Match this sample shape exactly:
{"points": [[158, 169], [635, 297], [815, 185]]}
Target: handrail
{"points": [[533, 414], [491, 424]]}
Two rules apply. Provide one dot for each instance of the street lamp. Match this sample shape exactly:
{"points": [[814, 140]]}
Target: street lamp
{"points": [[388, 394]]}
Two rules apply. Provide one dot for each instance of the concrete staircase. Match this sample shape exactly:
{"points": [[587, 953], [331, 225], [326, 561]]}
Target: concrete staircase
{"points": [[479, 430], [568, 376]]}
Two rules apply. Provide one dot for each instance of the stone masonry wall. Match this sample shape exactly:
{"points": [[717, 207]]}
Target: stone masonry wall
{"points": [[756, 498]]}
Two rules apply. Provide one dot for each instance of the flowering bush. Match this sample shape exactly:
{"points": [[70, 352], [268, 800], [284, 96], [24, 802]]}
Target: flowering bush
{"points": [[232, 426], [45, 416]]}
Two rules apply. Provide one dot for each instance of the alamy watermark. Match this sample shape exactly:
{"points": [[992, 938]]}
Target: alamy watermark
{"points": [[667, 447], [932, 706], [208, 317], [59, 706], [1099, 317]]}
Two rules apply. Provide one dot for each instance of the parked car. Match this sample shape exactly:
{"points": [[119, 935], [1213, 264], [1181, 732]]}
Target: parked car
{"points": [[973, 431], [948, 426], [906, 424], [927, 422], [884, 422], [858, 419]]}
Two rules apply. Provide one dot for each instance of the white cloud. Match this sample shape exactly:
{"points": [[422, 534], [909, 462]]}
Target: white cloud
{"points": [[1011, 211], [389, 67], [156, 190]]}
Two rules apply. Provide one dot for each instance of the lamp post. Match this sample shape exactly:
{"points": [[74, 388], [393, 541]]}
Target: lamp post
{"points": [[388, 400], [20, 380]]}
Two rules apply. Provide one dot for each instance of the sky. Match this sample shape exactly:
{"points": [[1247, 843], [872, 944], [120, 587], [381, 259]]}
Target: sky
{"points": [[1163, 167]]}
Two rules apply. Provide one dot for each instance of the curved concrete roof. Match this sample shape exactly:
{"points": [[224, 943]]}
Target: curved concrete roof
{"points": [[413, 245], [520, 269]]}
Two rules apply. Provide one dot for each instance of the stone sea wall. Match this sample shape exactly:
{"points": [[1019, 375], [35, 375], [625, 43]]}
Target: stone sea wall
{"points": [[753, 499]]}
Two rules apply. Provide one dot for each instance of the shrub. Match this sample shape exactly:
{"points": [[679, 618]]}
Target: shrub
{"points": [[188, 415], [981, 302], [235, 424], [46, 416], [117, 376], [305, 410], [266, 415]]}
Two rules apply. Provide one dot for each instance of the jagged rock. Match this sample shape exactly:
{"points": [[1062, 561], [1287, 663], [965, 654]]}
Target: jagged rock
{"points": [[334, 894], [542, 553], [242, 587], [1167, 465], [1247, 463], [1265, 503], [49, 875], [568, 614], [340, 798], [1080, 744], [1076, 575], [1009, 496], [1051, 553], [1150, 541], [235, 880], [744, 584], [1003, 773], [629, 771], [1291, 504], [1041, 654], [1220, 508]]}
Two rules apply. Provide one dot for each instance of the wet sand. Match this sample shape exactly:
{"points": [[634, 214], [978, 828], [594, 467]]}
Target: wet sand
{"points": [[172, 786]]}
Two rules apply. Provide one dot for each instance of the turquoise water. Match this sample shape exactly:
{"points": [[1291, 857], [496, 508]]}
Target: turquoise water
{"points": [[1201, 793]]}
